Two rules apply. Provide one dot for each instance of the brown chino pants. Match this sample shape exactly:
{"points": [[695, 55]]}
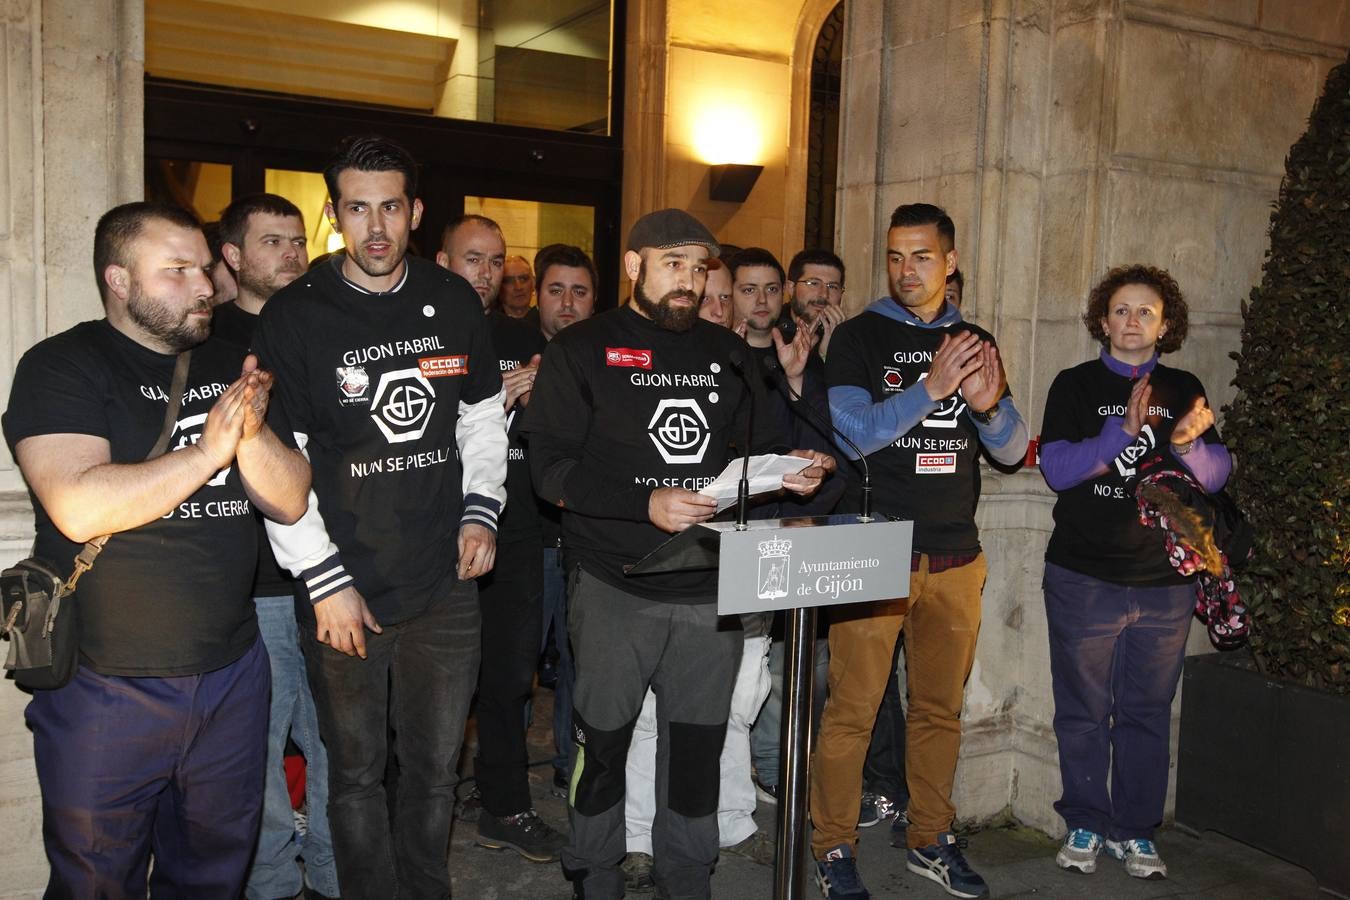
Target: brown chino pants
{"points": [[941, 625]]}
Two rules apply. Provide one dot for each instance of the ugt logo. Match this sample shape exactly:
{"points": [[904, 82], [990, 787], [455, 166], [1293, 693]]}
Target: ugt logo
{"points": [[402, 405], [680, 431]]}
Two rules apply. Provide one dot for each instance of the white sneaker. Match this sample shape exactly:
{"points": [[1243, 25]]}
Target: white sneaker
{"points": [[1140, 857], [1080, 851]]}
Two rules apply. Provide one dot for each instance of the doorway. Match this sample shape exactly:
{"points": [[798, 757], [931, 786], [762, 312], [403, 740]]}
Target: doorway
{"points": [[206, 145]]}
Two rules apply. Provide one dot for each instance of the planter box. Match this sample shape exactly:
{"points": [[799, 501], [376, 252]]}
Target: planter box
{"points": [[1266, 763]]}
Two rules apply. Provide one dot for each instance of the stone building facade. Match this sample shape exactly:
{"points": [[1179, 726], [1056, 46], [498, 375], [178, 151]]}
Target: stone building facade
{"points": [[1064, 136]]}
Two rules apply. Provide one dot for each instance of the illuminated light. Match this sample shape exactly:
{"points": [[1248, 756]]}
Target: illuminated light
{"points": [[335, 242], [728, 134]]}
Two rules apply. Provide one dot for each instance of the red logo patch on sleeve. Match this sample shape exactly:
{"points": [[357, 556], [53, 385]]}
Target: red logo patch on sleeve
{"points": [[440, 366], [626, 357]]}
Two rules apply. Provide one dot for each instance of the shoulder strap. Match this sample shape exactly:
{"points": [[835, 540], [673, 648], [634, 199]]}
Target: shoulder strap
{"points": [[176, 391], [84, 560]]}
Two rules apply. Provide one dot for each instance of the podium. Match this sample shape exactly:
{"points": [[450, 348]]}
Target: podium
{"points": [[795, 565]]}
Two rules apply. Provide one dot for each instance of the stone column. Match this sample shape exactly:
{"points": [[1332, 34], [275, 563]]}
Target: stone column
{"points": [[71, 113], [1065, 138]]}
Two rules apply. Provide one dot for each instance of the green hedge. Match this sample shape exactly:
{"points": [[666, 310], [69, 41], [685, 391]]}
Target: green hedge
{"points": [[1289, 427]]}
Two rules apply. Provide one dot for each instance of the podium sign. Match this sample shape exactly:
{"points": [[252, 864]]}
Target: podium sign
{"points": [[794, 563]]}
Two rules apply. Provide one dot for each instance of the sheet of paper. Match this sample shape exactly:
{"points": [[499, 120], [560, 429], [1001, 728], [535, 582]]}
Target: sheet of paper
{"points": [[766, 474]]}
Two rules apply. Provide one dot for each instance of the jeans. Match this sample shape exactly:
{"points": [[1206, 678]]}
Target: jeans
{"points": [[417, 681], [941, 618], [173, 767], [1116, 654], [509, 600], [275, 872], [766, 737], [688, 655], [555, 615]]}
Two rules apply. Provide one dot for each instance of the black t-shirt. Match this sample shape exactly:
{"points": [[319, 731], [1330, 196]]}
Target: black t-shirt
{"points": [[637, 407], [172, 596], [931, 473], [791, 417], [1097, 530], [233, 325], [516, 343], [375, 383]]}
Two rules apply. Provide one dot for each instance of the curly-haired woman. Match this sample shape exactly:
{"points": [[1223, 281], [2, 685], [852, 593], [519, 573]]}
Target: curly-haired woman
{"points": [[1118, 613]]}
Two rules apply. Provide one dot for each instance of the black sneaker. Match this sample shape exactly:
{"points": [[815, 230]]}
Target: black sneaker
{"points": [[525, 833], [944, 863], [561, 784], [874, 808], [469, 808], [899, 829], [637, 873], [837, 876]]}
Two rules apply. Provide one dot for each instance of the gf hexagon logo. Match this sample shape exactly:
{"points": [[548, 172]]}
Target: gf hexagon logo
{"points": [[402, 405], [680, 431]]}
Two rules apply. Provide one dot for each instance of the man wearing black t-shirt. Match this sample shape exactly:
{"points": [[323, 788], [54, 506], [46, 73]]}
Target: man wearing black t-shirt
{"points": [[393, 389], [920, 391], [156, 745], [510, 596], [263, 243], [566, 278], [633, 412]]}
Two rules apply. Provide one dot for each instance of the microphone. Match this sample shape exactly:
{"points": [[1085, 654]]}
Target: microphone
{"points": [[739, 361], [779, 379]]}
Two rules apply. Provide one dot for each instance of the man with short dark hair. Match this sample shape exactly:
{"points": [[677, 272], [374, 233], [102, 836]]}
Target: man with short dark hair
{"points": [[156, 745], [222, 279], [815, 292], [511, 595], [956, 286], [472, 246], [633, 411], [263, 243], [920, 391], [517, 287], [392, 386], [566, 278]]}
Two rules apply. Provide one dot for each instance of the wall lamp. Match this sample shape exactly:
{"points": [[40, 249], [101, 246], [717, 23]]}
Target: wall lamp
{"points": [[732, 182]]}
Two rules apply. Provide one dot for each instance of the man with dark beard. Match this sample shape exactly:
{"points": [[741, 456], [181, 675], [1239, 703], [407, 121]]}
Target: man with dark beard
{"points": [[634, 411], [815, 293], [156, 744], [262, 242]]}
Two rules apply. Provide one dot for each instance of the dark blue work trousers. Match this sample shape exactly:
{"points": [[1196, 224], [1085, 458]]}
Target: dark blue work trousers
{"points": [[1115, 658], [169, 767]]}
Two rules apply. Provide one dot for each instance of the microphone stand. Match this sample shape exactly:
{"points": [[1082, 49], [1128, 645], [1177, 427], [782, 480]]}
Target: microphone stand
{"points": [[798, 686], [739, 363]]}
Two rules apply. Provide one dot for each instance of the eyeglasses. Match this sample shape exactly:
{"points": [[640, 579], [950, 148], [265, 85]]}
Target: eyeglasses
{"points": [[833, 287]]}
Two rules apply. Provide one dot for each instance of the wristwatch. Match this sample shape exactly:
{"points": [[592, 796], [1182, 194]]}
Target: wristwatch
{"points": [[984, 418]]}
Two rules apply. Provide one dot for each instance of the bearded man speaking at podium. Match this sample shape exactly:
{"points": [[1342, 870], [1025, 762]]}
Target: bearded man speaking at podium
{"points": [[633, 412]]}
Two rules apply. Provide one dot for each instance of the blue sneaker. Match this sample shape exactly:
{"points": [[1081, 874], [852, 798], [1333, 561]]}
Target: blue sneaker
{"points": [[837, 875], [944, 863], [1080, 851], [1140, 857]]}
